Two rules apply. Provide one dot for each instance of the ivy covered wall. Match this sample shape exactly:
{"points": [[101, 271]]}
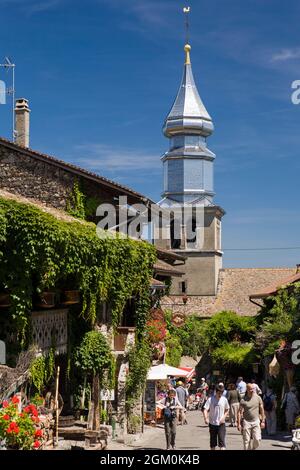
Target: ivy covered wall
{"points": [[38, 251]]}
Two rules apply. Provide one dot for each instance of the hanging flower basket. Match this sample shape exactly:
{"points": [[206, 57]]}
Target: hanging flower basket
{"points": [[156, 330], [71, 297]]}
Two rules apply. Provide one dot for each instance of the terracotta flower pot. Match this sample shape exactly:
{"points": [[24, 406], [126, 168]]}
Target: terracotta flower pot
{"points": [[47, 300], [71, 297], [5, 300]]}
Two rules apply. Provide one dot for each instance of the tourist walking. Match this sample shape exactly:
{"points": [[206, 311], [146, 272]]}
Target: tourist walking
{"points": [[251, 418], [270, 405], [233, 398], [225, 391], [257, 389], [291, 406], [215, 412], [182, 395], [202, 393], [170, 405], [241, 387], [203, 386]]}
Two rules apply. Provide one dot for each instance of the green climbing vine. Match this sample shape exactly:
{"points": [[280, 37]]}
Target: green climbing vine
{"points": [[42, 370], [81, 205], [40, 252], [76, 202], [139, 359]]}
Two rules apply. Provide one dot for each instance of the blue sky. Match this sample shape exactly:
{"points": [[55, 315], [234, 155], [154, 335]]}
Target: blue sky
{"points": [[101, 76]]}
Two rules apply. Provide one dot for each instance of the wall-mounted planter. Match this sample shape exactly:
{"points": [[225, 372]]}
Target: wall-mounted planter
{"points": [[46, 300], [71, 297], [5, 300], [185, 299]]}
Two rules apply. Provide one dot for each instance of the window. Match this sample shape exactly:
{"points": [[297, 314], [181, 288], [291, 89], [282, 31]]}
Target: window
{"points": [[191, 233], [183, 287], [175, 234]]}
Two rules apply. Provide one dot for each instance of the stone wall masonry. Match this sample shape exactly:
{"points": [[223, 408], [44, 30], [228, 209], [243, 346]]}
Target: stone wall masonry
{"points": [[44, 181], [31, 178], [234, 288]]}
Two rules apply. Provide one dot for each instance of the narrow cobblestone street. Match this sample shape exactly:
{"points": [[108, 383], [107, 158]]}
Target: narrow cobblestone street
{"points": [[195, 436]]}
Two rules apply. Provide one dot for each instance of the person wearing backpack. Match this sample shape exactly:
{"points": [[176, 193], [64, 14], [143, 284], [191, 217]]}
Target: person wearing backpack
{"points": [[170, 405], [270, 405]]}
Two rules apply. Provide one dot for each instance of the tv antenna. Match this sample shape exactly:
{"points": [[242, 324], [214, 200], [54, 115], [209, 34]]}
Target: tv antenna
{"points": [[9, 66]]}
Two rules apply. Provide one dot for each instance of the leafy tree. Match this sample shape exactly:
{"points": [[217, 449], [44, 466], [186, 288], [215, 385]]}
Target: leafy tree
{"points": [[279, 319], [173, 351], [234, 354], [191, 335], [226, 327], [229, 339]]}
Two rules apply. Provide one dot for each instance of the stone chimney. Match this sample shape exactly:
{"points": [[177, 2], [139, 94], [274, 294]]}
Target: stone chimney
{"points": [[22, 122]]}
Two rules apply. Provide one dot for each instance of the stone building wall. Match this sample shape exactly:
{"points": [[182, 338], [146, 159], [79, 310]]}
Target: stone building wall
{"points": [[21, 174], [35, 178], [234, 288]]}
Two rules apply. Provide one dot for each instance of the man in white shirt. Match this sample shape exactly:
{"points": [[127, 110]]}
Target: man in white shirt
{"points": [[241, 387], [257, 389], [215, 412]]}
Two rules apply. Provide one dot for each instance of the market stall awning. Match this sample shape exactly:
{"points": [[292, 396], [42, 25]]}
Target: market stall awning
{"points": [[163, 371], [190, 371]]}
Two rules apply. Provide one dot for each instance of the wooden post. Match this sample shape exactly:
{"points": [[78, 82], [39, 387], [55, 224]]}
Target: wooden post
{"points": [[105, 411], [82, 400], [96, 402], [56, 406]]}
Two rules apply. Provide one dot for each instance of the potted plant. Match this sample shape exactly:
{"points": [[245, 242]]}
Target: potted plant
{"points": [[70, 295], [20, 430], [47, 299], [5, 300]]}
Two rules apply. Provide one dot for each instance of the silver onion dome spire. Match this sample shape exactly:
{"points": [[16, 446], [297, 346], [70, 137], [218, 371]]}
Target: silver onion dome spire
{"points": [[188, 114]]}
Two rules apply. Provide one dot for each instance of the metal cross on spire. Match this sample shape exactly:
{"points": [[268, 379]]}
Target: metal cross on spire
{"points": [[186, 11]]}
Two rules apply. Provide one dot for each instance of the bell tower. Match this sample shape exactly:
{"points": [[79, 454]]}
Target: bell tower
{"points": [[189, 189]]}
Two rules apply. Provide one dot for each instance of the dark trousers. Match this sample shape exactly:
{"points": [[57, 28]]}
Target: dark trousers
{"points": [[170, 430], [217, 435]]}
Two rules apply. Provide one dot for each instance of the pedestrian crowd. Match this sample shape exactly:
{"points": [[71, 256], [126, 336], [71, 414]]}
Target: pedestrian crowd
{"points": [[243, 405]]}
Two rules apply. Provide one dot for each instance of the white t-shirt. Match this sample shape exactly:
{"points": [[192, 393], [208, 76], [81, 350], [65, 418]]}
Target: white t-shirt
{"points": [[217, 409]]}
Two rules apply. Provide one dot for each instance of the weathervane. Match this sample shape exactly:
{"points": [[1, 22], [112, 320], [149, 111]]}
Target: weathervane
{"points": [[186, 11]]}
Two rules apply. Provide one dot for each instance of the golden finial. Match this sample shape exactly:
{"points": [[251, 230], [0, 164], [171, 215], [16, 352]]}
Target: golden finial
{"points": [[187, 49]]}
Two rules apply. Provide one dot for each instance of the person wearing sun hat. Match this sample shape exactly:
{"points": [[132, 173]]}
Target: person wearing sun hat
{"points": [[182, 395]]}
